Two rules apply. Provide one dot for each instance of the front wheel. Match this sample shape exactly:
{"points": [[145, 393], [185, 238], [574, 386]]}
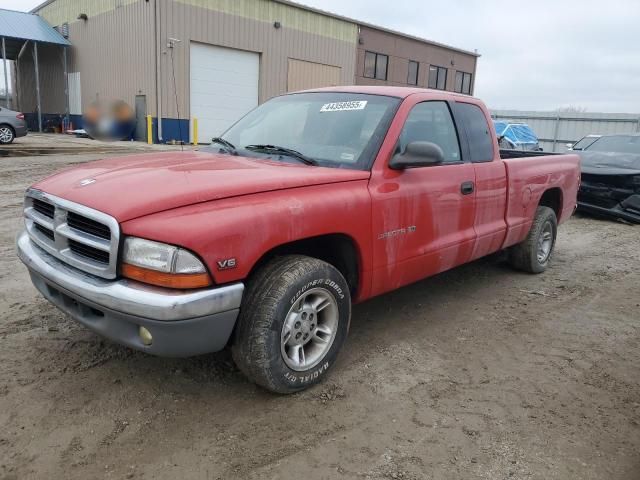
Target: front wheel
{"points": [[293, 322], [534, 253]]}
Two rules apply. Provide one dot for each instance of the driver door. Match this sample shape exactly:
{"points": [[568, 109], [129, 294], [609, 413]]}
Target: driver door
{"points": [[422, 218]]}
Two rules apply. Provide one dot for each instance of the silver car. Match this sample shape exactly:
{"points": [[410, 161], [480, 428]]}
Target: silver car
{"points": [[12, 125]]}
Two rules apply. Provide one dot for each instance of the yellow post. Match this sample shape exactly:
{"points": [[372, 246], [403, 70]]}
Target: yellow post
{"points": [[195, 131], [149, 130]]}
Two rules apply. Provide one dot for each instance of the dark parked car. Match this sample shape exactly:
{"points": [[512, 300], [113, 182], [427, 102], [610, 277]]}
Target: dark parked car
{"points": [[12, 125], [611, 177]]}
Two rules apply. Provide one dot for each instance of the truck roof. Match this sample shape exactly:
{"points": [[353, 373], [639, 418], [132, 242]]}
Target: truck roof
{"points": [[400, 92], [631, 134]]}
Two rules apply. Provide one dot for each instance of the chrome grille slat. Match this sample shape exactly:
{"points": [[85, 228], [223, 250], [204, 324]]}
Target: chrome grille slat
{"points": [[89, 252], [32, 214], [44, 208], [47, 232], [87, 225], [80, 236]]}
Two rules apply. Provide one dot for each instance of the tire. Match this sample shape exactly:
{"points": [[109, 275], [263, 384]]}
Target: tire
{"points": [[277, 317], [7, 135], [534, 253]]}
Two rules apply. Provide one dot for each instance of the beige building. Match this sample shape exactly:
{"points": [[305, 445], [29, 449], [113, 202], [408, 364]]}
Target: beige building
{"points": [[226, 58]]}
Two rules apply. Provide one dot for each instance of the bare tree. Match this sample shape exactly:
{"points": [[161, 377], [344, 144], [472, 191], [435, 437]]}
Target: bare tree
{"points": [[571, 109]]}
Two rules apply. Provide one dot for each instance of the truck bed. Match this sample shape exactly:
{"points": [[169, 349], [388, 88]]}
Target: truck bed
{"points": [[529, 175], [506, 154]]}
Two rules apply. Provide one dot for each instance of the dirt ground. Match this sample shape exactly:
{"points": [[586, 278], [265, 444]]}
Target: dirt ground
{"points": [[479, 373]]}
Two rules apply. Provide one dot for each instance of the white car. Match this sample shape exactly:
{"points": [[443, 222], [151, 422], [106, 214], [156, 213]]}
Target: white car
{"points": [[583, 143]]}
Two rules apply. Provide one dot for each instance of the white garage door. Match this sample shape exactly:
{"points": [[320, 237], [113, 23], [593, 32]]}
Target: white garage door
{"points": [[224, 87]]}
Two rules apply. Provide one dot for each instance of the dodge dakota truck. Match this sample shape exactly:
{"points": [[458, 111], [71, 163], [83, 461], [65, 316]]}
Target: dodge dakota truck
{"points": [[264, 240]]}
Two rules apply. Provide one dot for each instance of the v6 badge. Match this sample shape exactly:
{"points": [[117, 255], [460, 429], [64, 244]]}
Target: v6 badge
{"points": [[227, 264]]}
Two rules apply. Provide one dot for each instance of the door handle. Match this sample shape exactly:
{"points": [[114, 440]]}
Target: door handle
{"points": [[467, 188]]}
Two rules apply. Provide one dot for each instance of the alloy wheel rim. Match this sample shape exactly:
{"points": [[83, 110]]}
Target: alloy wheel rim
{"points": [[545, 242], [5, 134], [309, 329]]}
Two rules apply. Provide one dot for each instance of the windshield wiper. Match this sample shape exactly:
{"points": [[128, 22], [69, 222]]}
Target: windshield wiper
{"points": [[230, 147], [284, 151]]}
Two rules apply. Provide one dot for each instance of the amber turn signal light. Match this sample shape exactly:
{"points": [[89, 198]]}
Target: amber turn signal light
{"points": [[182, 281]]}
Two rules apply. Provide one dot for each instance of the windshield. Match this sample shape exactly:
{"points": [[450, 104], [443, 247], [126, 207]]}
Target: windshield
{"points": [[340, 130], [617, 144], [585, 143]]}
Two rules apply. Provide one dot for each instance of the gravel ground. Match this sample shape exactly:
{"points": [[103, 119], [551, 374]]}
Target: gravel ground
{"points": [[479, 373]]}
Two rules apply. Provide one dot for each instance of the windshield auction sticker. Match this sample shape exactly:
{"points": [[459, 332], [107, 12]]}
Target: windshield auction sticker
{"points": [[343, 106]]}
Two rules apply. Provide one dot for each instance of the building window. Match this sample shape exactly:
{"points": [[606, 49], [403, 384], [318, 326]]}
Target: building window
{"points": [[412, 78], [463, 83], [437, 77], [376, 65]]}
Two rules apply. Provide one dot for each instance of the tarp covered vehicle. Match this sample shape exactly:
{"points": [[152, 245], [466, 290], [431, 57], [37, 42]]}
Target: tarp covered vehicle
{"points": [[611, 177], [516, 136]]}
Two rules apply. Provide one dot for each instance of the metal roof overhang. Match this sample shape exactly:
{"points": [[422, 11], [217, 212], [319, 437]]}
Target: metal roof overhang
{"points": [[19, 27]]}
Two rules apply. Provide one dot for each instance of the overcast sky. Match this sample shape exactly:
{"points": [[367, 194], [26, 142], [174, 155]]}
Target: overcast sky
{"points": [[555, 53]]}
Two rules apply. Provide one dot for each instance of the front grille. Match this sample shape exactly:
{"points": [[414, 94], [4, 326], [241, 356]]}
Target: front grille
{"points": [[89, 252], [44, 208], [86, 225], [80, 236]]}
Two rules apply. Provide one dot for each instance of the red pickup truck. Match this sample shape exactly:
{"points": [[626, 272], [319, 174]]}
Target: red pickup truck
{"points": [[263, 241]]}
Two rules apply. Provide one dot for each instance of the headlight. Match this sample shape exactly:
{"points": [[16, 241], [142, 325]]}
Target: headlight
{"points": [[164, 265]]}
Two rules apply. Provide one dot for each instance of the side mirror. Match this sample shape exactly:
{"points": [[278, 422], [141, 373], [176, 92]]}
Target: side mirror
{"points": [[418, 154], [569, 146]]}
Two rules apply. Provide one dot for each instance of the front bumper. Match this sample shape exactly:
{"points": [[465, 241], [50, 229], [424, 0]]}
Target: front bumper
{"points": [[611, 193], [182, 323], [616, 212], [613, 197]]}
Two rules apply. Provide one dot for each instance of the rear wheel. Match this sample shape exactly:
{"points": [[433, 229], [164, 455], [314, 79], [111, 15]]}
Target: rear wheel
{"points": [[293, 321], [534, 253], [6, 134]]}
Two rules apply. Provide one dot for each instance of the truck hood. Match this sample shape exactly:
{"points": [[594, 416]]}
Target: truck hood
{"points": [[138, 185], [610, 163]]}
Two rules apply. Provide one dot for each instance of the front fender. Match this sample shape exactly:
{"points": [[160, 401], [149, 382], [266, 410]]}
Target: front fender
{"points": [[244, 228]]}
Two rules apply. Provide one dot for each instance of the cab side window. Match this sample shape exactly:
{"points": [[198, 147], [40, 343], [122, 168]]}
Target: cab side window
{"points": [[432, 122], [478, 132]]}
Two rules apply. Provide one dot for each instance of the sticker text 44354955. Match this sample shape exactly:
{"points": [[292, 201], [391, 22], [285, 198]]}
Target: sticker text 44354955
{"points": [[344, 106]]}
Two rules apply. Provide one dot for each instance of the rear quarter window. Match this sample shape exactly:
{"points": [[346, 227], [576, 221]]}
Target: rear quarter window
{"points": [[478, 132]]}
